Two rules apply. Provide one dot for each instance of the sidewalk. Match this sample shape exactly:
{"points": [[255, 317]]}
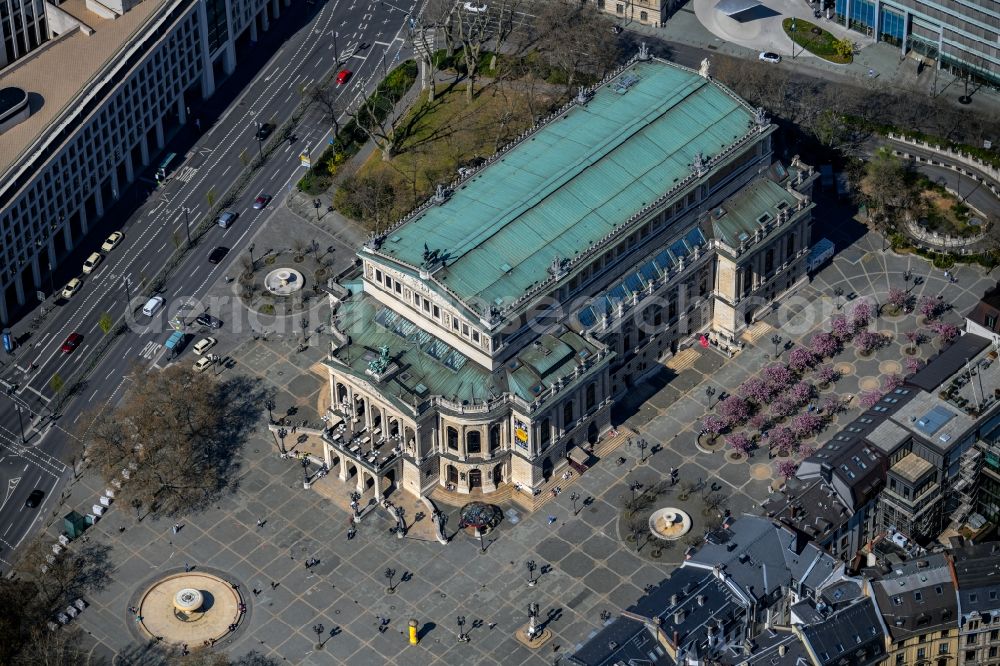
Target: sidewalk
{"points": [[893, 72]]}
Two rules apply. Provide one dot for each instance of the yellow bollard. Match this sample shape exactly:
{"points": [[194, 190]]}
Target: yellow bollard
{"points": [[413, 633]]}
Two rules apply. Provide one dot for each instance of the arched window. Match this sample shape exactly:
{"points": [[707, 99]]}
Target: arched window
{"points": [[545, 433], [568, 414], [494, 437], [473, 442], [591, 395], [452, 439]]}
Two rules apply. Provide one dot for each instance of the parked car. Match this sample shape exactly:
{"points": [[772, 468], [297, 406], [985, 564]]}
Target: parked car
{"points": [[35, 498], [205, 319], [204, 363], [261, 201], [91, 263], [767, 56], [264, 131], [226, 218], [343, 76], [218, 254], [72, 341], [112, 241], [71, 288], [204, 345]]}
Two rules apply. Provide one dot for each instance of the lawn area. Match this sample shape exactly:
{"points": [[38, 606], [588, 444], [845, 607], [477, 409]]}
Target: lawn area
{"points": [[814, 39], [432, 141], [942, 212]]}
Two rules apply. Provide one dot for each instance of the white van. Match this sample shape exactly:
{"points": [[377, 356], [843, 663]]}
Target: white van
{"points": [[152, 305]]}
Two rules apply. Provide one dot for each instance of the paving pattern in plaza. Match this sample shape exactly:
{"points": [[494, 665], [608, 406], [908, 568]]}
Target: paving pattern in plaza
{"points": [[584, 565]]}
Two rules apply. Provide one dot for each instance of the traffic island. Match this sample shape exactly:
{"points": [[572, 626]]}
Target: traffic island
{"points": [[819, 42]]}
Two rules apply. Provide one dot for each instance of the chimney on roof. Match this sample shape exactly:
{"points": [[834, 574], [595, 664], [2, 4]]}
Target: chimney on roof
{"points": [[675, 599], [701, 599], [679, 616]]}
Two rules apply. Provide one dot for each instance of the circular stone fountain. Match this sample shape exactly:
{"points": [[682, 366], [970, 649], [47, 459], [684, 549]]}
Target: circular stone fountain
{"points": [[194, 607], [669, 524], [283, 281], [188, 600]]}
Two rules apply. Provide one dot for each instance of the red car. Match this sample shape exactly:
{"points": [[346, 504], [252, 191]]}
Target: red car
{"points": [[71, 343], [343, 76], [261, 201]]}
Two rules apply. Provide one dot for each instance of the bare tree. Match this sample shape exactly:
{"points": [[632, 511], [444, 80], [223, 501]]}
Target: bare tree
{"points": [[575, 39], [327, 99], [369, 197], [472, 31], [884, 182], [171, 439], [375, 118]]}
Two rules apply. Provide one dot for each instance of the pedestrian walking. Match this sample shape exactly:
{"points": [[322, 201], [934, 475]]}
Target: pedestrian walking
{"points": [[187, 567], [552, 519], [177, 528], [260, 523], [274, 586]]}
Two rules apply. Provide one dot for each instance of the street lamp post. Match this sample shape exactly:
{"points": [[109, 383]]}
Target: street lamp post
{"points": [[709, 392], [187, 225], [634, 486], [792, 30], [316, 204], [355, 506], [269, 404], [319, 629], [250, 249], [281, 438], [837, 293], [776, 340], [642, 444], [573, 497], [462, 636], [305, 473], [389, 575], [530, 564]]}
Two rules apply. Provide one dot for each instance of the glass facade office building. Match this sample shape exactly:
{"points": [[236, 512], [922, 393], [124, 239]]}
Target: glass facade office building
{"points": [[963, 36]]}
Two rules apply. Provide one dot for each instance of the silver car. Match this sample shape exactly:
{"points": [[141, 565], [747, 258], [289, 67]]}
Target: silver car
{"points": [[227, 218]]}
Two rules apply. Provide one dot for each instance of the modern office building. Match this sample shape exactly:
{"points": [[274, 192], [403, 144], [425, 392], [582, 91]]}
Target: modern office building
{"points": [[490, 330], [962, 36], [23, 28], [93, 106], [918, 466]]}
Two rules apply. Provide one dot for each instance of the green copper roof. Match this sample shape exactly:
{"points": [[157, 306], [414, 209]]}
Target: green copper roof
{"points": [[749, 210], [428, 366], [566, 186]]}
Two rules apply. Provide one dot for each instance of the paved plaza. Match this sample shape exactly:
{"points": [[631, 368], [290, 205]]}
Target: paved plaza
{"points": [[585, 562]]}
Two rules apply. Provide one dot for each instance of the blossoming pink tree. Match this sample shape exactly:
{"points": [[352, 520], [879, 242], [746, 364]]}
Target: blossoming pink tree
{"points": [[891, 383], [759, 422], [868, 341], [735, 410], [800, 359], [806, 425], [740, 443], [897, 299], [755, 389], [861, 315], [713, 424], [782, 407], [787, 468], [841, 328], [913, 365], [824, 344], [946, 332], [783, 439], [931, 308], [831, 405], [869, 399], [827, 374], [777, 377]]}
